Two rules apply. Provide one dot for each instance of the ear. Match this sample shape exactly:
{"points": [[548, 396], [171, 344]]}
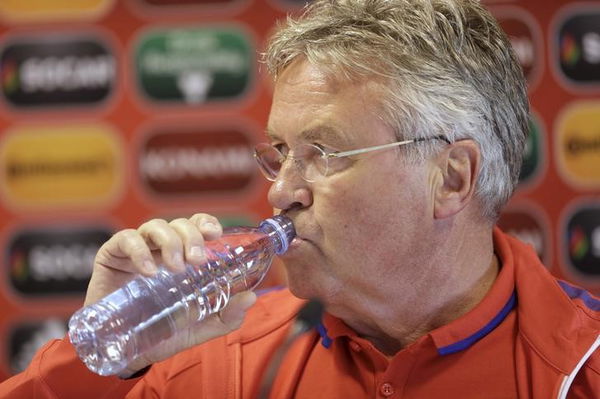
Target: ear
{"points": [[458, 170]]}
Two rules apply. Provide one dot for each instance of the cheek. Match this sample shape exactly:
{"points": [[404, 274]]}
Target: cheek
{"points": [[372, 210], [350, 215]]}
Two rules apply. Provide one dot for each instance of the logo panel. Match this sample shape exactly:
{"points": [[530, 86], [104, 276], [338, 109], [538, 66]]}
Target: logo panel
{"points": [[578, 144], [533, 152], [527, 227], [39, 10], [26, 338], [53, 261], [525, 37], [195, 65], [578, 47], [57, 70], [197, 162], [61, 166], [582, 246]]}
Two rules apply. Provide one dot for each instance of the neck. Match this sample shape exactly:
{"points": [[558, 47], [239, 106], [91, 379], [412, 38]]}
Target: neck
{"points": [[455, 281]]}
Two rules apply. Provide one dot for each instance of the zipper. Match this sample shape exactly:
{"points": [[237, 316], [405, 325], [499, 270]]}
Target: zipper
{"points": [[568, 379]]}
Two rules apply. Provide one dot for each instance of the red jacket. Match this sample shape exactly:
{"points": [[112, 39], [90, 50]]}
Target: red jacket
{"points": [[553, 329]]}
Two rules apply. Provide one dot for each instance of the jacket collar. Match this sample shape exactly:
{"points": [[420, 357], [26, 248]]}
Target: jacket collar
{"points": [[547, 317], [551, 314]]}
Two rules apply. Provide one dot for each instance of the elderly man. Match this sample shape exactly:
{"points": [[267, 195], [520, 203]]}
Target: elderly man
{"points": [[395, 138]]}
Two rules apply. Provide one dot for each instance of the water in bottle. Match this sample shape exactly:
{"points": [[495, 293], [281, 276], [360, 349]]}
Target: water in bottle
{"points": [[151, 311]]}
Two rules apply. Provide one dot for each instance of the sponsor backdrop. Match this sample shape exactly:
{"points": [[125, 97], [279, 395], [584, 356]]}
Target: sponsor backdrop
{"points": [[116, 111]]}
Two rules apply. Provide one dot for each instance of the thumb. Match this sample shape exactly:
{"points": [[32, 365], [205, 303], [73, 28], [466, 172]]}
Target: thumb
{"points": [[233, 314]]}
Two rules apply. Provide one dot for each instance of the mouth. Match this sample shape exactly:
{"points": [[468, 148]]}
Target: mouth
{"points": [[299, 240], [296, 245]]}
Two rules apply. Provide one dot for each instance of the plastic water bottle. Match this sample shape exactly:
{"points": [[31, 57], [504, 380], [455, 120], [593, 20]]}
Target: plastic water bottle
{"points": [[151, 311]]}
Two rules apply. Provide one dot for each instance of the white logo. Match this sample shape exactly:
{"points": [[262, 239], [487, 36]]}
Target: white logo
{"points": [[194, 85], [533, 237], [66, 73], [50, 329], [177, 163], [591, 47], [596, 242], [523, 47], [62, 262]]}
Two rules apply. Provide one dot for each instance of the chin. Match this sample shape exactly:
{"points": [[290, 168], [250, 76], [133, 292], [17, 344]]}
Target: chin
{"points": [[300, 291], [305, 288]]}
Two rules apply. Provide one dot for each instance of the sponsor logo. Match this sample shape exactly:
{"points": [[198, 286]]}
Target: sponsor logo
{"points": [[578, 42], [36, 10], [56, 70], [522, 32], [194, 65], [61, 166], [197, 162], [27, 338], [578, 144], [54, 261], [532, 153], [583, 241], [527, 228]]}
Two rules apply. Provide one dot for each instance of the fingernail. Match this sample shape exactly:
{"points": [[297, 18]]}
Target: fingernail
{"points": [[210, 226], [178, 258], [197, 252], [149, 266]]}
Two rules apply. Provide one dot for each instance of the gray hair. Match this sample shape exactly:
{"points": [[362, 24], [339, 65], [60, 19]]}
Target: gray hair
{"points": [[447, 68]]}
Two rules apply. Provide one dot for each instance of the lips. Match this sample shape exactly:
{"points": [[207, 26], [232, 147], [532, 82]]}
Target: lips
{"points": [[301, 229]]}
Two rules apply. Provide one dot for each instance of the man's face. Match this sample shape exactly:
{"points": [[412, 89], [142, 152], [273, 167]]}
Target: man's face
{"points": [[363, 228]]}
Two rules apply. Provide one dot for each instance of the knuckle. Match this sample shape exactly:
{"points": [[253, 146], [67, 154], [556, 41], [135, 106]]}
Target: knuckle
{"points": [[125, 234], [153, 224], [179, 221]]}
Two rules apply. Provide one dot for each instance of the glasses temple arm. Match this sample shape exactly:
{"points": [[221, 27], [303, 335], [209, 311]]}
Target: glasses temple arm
{"points": [[384, 146]]}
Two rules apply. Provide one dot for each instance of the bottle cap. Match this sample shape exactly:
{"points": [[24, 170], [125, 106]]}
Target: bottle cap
{"points": [[284, 228]]}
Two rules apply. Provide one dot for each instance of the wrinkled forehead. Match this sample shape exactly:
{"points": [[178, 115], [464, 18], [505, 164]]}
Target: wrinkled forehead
{"points": [[312, 105]]}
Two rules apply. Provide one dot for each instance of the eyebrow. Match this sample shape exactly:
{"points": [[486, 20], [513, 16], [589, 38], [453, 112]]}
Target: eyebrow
{"points": [[324, 133]]}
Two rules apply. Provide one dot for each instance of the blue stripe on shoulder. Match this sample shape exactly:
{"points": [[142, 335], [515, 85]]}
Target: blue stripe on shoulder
{"points": [[576, 292], [470, 340]]}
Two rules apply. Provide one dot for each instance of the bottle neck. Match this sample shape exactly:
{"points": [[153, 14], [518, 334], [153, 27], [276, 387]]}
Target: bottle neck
{"points": [[280, 230]]}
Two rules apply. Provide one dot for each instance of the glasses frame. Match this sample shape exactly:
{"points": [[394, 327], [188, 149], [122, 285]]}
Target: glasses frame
{"points": [[338, 154]]}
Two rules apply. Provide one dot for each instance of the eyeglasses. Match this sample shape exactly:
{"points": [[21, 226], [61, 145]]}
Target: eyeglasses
{"points": [[312, 161]]}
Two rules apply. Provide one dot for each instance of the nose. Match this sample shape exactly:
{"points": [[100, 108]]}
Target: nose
{"points": [[289, 189]]}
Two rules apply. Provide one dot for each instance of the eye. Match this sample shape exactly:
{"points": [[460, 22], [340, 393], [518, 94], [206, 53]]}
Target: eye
{"points": [[282, 148]]}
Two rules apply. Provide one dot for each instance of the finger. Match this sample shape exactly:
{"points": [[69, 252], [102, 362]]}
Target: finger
{"points": [[208, 225], [127, 251], [160, 235], [193, 241]]}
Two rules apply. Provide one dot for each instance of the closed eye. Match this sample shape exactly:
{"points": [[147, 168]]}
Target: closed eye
{"points": [[282, 148]]}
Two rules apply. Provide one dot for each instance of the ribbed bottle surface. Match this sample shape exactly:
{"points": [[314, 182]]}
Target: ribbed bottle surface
{"points": [[153, 311]]}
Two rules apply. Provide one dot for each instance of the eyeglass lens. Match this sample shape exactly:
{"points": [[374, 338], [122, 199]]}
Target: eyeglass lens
{"points": [[309, 160]]}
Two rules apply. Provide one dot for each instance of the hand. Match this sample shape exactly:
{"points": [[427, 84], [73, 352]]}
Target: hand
{"points": [[131, 252], [172, 244]]}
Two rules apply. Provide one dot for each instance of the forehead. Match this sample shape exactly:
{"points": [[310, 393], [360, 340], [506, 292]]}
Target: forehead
{"points": [[318, 133], [311, 105]]}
